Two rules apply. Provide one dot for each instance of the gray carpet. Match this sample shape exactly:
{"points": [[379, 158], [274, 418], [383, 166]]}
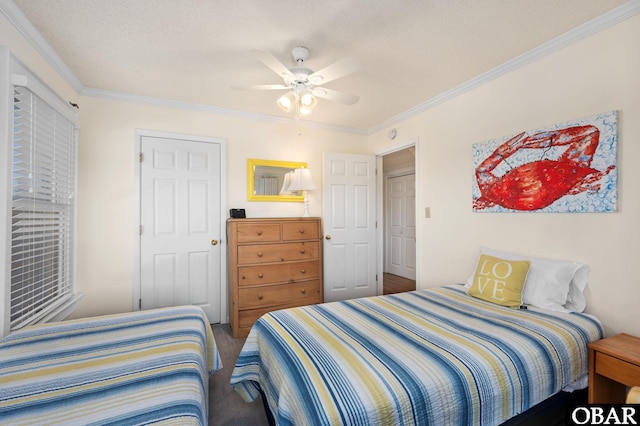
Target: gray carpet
{"points": [[226, 407]]}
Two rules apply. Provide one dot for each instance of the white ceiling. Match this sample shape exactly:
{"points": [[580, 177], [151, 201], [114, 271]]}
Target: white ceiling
{"points": [[193, 51]]}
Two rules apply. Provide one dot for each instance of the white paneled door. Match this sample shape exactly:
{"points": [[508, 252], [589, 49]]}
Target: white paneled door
{"points": [[180, 250], [401, 226], [349, 216]]}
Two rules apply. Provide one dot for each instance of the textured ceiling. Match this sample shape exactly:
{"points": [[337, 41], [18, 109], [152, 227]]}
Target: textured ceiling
{"points": [[193, 51]]}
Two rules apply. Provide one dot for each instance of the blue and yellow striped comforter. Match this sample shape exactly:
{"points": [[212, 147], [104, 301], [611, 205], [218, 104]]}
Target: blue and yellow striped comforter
{"points": [[436, 357], [126, 369]]}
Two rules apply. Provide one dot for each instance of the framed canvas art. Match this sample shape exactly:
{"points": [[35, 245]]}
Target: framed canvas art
{"points": [[568, 167]]}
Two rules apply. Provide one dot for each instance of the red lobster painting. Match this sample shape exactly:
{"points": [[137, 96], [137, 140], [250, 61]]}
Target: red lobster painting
{"points": [[537, 184]]}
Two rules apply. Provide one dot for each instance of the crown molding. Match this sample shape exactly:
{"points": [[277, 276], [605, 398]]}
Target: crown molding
{"points": [[600, 23], [167, 103]]}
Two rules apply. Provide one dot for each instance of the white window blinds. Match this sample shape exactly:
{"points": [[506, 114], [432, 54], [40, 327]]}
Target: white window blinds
{"points": [[42, 209]]}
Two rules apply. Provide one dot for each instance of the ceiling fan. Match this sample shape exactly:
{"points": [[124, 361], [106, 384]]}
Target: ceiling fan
{"points": [[305, 85]]}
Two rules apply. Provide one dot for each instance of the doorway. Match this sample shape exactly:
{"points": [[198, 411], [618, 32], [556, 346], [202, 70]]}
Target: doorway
{"points": [[398, 264]]}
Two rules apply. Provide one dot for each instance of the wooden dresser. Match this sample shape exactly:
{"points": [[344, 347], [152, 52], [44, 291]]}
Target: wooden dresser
{"points": [[273, 264]]}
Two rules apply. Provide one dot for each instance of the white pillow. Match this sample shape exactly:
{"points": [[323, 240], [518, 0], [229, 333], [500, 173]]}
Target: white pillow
{"points": [[552, 284], [576, 302]]}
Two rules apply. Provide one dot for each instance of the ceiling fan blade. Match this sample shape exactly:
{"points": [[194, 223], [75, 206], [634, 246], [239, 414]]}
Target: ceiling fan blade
{"points": [[335, 96], [272, 62], [343, 67], [262, 87]]}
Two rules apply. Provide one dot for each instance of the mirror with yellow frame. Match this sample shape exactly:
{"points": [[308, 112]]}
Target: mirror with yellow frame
{"points": [[265, 180]]}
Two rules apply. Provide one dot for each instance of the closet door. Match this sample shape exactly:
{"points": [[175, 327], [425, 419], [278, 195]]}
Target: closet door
{"points": [[401, 226], [180, 250]]}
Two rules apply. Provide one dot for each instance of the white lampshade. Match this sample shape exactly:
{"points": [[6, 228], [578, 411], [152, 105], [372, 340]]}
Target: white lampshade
{"points": [[287, 101], [307, 103], [286, 183], [302, 180], [304, 111], [307, 99]]}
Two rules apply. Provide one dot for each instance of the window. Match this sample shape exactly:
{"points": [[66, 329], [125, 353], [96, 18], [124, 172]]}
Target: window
{"points": [[42, 216]]}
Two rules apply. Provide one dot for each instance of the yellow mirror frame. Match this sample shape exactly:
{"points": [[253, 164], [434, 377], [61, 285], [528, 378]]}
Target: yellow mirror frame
{"points": [[252, 163]]}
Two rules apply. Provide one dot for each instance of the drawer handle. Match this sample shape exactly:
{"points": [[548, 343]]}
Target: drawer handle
{"points": [[260, 275], [260, 297], [302, 271], [259, 232], [302, 231], [303, 291], [302, 251], [259, 254], [291, 281]]}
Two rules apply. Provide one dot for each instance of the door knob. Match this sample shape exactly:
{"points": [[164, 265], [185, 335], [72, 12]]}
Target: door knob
{"points": [[214, 242], [328, 237]]}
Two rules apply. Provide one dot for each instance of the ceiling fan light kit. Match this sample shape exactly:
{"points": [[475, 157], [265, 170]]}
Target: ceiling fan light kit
{"points": [[302, 82], [299, 97]]}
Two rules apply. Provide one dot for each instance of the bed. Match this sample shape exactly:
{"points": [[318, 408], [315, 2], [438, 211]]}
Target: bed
{"points": [[137, 368], [436, 356]]}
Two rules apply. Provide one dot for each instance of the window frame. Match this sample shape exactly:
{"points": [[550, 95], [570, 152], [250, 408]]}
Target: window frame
{"points": [[12, 74]]}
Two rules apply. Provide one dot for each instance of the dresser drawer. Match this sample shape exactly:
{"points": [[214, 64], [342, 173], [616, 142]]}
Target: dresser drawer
{"points": [[295, 231], [248, 317], [288, 272], [617, 369], [302, 293], [258, 232], [268, 253]]}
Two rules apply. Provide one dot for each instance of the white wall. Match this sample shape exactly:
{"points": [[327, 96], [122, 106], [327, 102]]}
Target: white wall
{"points": [[595, 75], [106, 195]]}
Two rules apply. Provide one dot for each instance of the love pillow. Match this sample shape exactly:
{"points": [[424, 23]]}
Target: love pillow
{"points": [[500, 281]]}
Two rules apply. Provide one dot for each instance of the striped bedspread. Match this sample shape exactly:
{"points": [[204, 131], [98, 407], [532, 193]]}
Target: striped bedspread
{"points": [[429, 357], [127, 369]]}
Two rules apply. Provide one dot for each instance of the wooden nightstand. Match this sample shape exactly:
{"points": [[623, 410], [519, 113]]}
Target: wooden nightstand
{"points": [[614, 364]]}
